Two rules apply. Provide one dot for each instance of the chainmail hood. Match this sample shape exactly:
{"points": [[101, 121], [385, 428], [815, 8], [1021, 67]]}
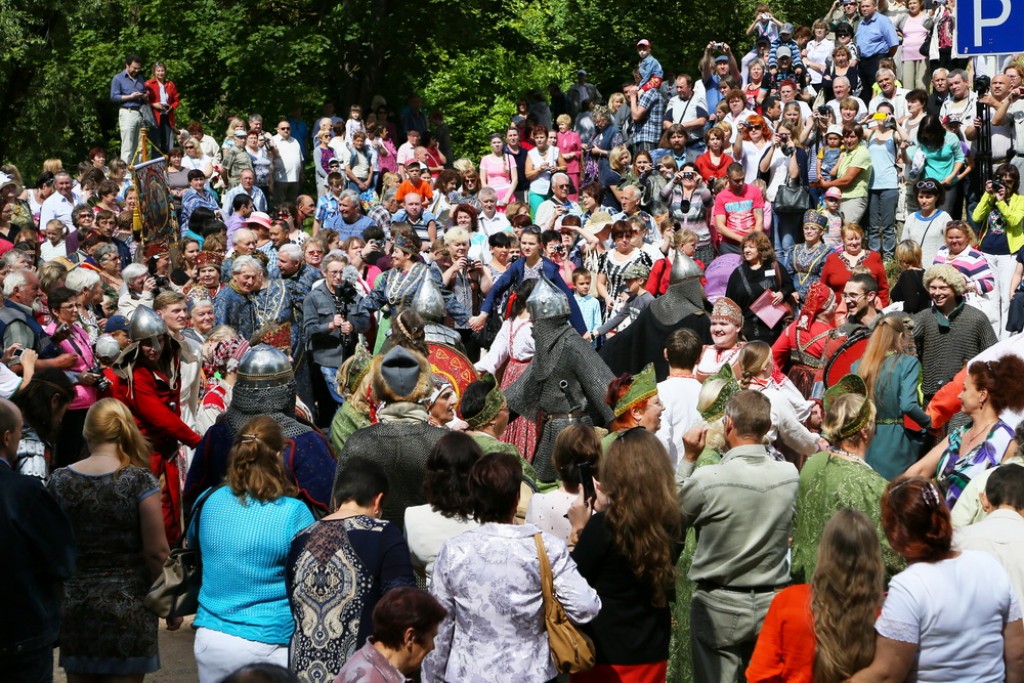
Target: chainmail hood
{"points": [[681, 300]]}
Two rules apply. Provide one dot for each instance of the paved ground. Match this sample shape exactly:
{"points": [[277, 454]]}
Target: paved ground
{"points": [[178, 664]]}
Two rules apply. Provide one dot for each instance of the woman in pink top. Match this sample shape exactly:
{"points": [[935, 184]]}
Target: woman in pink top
{"points": [[915, 28], [572, 150], [72, 338], [387, 155], [498, 171]]}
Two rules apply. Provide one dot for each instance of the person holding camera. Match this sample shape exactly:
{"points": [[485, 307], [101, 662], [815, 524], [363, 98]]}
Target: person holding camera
{"points": [[887, 142], [84, 373], [325, 314], [1000, 218], [467, 279]]}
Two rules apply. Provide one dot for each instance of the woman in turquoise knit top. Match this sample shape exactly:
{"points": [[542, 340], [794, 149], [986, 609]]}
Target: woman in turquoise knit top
{"points": [[942, 156], [244, 533]]}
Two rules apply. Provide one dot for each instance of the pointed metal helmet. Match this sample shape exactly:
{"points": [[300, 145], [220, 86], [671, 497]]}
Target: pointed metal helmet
{"points": [[683, 268], [547, 301], [428, 301], [264, 366], [146, 324]]}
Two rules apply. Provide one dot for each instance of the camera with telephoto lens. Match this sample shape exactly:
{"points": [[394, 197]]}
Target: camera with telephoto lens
{"points": [[981, 85]]}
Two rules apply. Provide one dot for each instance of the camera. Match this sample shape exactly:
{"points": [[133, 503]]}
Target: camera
{"points": [[102, 384], [981, 85], [718, 46], [823, 110], [684, 206], [890, 123], [997, 185], [689, 175], [560, 248]]}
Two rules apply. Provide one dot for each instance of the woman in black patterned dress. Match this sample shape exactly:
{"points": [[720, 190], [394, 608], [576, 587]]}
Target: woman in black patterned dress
{"points": [[339, 568], [106, 631]]}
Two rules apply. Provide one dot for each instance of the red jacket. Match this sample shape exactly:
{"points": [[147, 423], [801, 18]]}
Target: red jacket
{"points": [[155, 406], [153, 89]]}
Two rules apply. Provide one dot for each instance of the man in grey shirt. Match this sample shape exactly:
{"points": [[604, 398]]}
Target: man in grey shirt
{"points": [[743, 509]]}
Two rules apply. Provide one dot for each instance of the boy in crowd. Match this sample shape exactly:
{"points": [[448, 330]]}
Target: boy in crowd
{"points": [[589, 306]]}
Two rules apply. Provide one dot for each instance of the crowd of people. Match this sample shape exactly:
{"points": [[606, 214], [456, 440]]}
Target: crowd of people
{"points": [[689, 359]]}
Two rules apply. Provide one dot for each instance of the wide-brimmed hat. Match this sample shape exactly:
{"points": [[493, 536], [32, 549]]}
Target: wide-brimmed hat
{"points": [[598, 222]]}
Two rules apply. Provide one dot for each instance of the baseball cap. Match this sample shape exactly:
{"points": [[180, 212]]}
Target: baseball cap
{"points": [[582, 72], [240, 133], [721, 58], [116, 323], [259, 218], [834, 129], [643, 42], [786, 29], [951, 120], [783, 52], [834, 193], [417, 164]]}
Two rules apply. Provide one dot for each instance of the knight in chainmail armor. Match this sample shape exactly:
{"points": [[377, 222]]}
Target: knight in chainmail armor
{"points": [[266, 386], [682, 306], [567, 381], [401, 440]]}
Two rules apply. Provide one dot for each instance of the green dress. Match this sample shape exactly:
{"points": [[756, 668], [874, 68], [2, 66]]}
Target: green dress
{"points": [[346, 421], [680, 658], [897, 393], [829, 483]]}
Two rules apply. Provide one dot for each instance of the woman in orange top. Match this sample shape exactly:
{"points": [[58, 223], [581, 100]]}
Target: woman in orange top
{"points": [[823, 631]]}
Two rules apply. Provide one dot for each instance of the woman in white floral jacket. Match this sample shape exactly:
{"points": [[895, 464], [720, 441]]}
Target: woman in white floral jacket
{"points": [[488, 579]]}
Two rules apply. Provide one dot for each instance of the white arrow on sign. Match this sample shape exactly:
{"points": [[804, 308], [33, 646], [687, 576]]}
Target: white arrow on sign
{"points": [[981, 23]]}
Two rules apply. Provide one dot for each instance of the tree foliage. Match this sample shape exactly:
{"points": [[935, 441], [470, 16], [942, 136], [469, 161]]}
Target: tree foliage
{"points": [[471, 60]]}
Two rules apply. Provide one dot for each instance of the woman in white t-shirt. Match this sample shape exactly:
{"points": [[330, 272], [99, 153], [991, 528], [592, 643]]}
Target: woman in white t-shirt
{"points": [[575, 445], [952, 616], [541, 162], [927, 225], [750, 147]]}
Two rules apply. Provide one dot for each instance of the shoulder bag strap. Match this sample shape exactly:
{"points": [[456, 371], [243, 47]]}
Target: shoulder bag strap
{"points": [[547, 581]]}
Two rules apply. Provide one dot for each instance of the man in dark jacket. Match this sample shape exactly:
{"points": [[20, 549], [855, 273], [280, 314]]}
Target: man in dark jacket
{"points": [[39, 552]]}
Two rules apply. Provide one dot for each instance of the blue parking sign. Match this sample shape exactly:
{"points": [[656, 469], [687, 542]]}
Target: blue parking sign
{"points": [[985, 27]]}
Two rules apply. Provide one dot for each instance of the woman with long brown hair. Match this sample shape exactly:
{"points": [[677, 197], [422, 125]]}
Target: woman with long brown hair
{"points": [[893, 380], [244, 532], [113, 501], [821, 631], [627, 551]]}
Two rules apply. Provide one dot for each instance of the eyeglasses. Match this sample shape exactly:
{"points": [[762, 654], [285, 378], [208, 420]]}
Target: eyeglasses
{"points": [[190, 146], [314, 252], [284, 128], [70, 307], [926, 185], [561, 186]]}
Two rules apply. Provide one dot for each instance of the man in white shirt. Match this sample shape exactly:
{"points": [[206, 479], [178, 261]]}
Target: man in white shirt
{"points": [[490, 219], [550, 211], [407, 152], [288, 165], [841, 89], [1001, 534], [61, 203], [679, 391], [888, 92]]}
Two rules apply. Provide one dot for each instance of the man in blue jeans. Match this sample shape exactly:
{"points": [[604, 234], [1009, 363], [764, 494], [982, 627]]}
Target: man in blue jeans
{"points": [[743, 510]]}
